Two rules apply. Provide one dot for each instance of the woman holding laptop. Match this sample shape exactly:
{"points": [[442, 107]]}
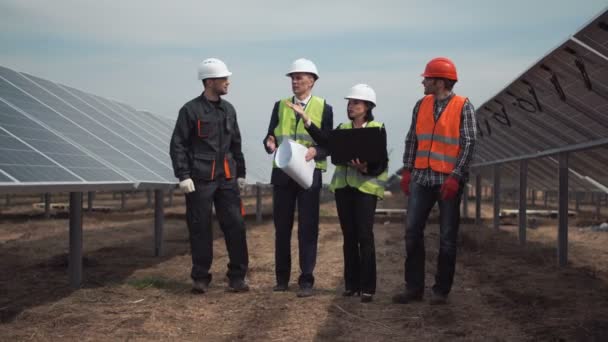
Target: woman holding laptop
{"points": [[357, 185]]}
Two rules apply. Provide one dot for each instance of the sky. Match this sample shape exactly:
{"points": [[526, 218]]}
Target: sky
{"points": [[145, 52]]}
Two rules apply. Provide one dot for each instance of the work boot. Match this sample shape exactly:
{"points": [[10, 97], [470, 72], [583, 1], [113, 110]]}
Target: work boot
{"points": [[366, 297], [238, 285], [438, 298], [280, 288], [305, 291], [200, 286], [350, 293], [407, 297]]}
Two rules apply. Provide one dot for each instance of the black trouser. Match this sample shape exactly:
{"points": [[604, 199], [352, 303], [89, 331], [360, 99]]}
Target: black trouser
{"points": [[421, 201], [356, 211], [225, 194], [284, 199]]}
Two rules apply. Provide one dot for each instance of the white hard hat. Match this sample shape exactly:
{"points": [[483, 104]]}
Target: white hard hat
{"points": [[212, 68], [362, 92], [303, 65]]}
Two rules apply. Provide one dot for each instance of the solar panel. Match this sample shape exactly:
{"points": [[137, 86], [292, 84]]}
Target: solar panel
{"points": [[595, 35], [41, 106], [145, 121], [560, 101], [159, 143], [21, 163], [16, 123], [150, 161]]}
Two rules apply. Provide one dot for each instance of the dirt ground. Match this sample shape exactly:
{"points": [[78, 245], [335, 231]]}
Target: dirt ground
{"points": [[502, 291]]}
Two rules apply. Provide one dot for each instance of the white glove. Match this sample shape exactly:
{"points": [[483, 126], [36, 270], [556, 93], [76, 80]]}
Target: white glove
{"points": [[187, 186], [242, 182]]}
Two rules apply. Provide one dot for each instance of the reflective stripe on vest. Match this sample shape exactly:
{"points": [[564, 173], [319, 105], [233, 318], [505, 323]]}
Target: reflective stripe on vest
{"points": [[438, 142], [349, 176], [290, 128]]}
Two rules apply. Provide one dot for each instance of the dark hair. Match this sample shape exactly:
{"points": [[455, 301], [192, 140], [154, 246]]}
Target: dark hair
{"points": [[449, 84], [369, 116]]}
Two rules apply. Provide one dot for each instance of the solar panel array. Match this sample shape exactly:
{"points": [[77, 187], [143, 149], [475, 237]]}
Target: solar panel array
{"points": [[560, 101], [55, 135]]}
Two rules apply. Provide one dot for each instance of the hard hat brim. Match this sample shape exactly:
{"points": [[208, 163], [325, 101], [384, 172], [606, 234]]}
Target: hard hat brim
{"points": [[302, 71]]}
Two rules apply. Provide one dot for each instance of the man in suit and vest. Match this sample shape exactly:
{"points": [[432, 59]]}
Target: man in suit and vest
{"points": [[438, 150], [286, 124]]}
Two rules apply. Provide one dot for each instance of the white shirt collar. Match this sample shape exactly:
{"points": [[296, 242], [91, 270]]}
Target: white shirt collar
{"points": [[305, 101], [362, 126]]}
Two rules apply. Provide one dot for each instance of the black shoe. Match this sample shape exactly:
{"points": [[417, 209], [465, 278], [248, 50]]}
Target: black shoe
{"points": [[350, 293], [407, 297], [305, 291], [199, 286], [280, 288], [366, 297], [438, 299], [238, 285]]}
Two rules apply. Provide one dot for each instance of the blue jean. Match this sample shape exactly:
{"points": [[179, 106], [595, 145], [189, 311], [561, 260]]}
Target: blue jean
{"points": [[421, 201]]}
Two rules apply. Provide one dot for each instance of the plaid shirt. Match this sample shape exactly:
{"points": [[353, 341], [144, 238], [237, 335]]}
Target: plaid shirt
{"points": [[468, 130]]}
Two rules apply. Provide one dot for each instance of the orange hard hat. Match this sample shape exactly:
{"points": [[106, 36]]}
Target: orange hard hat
{"points": [[441, 67]]}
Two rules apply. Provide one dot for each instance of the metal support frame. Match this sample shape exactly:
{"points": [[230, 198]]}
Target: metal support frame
{"points": [[90, 198], [496, 194], [562, 230], [149, 199], [159, 217], [47, 205], [75, 256], [123, 200], [478, 198], [523, 204]]}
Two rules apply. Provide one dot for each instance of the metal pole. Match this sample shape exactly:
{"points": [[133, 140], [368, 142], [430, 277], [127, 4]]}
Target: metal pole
{"points": [[258, 203], [158, 222], [496, 194], [562, 231], [90, 198], [47, 205], [75, 257], [123, 200], [478, 198], [523, 187], [465, 201]]}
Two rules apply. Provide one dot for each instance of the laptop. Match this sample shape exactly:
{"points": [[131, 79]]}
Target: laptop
{"points": [[367, 144]]}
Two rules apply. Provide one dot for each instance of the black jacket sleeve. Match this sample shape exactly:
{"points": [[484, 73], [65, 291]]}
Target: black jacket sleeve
{"points": [[327, 124], [319, 136], [180, 145], [236, 150], [274, 121]]}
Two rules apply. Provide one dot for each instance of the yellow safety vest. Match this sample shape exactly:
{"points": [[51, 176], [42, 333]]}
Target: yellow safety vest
{"points": [[349, 176], [290, 128]]}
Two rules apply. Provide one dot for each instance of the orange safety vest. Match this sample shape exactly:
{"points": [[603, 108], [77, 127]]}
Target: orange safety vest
{"points": [[438, 142]]}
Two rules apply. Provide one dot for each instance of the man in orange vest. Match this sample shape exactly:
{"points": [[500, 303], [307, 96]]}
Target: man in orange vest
{"points": [[438, 149]]}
